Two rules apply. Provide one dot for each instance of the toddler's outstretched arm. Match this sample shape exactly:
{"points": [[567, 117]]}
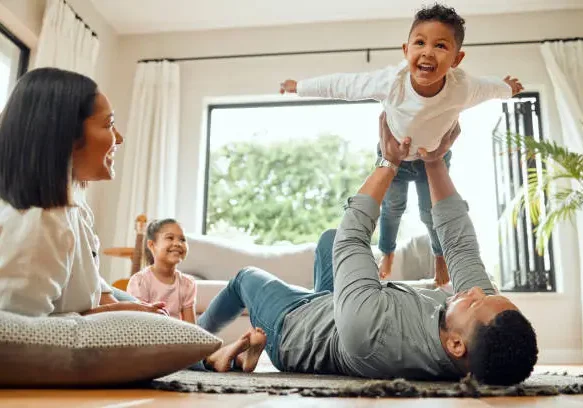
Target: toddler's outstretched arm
{"points": [[350, 87], [482, 89]]}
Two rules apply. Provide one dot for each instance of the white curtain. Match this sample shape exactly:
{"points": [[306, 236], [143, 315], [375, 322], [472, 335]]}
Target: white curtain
{"points": [[65, 42], [150, 161], [564, 62]]}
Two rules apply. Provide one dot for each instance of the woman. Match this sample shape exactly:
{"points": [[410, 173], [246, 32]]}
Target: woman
{"points": [[57, 133]]}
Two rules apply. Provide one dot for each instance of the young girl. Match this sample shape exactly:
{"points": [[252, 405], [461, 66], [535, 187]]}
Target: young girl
{"points": [[160, 282], [164, 248]]}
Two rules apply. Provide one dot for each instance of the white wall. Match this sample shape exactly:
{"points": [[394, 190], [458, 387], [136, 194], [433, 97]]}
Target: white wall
{"points": [[557, 317]]}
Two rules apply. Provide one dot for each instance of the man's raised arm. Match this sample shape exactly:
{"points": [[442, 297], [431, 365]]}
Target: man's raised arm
{"points": [[454, 226], [360, 306]]}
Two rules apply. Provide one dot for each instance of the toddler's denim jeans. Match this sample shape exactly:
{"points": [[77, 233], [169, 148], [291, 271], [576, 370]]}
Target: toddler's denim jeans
{"points": [[395, 202]]}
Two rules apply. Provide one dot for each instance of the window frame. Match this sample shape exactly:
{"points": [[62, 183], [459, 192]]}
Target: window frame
{"points": [[251, 105], [519, 273], [24, 58]]}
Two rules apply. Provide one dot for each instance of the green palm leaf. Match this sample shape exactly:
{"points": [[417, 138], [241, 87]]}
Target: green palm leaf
{"points": [[550, 194]]}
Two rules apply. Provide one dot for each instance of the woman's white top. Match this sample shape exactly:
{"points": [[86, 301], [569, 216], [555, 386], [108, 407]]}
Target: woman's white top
{"points": [[49, 260]]}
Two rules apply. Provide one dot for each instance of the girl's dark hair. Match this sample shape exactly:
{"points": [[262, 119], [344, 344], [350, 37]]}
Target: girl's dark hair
{"points": [[152, 231], [39, 127]]}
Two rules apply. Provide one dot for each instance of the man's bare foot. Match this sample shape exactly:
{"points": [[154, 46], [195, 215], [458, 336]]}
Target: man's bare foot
{"points": [[386, 265], [222, 359], [248, 359], [441, 275]]}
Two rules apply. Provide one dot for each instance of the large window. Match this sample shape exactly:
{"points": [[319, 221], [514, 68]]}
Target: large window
{"points": [[522, 268], [13, 63], [279, 173]]}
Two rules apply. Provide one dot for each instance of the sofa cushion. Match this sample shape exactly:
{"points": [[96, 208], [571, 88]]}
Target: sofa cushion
{"points": [[206, 290], [100, 349], [216, 258]]}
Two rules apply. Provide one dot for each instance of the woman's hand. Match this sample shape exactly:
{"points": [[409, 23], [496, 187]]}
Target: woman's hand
{"points": [[391, 149], [107, 299], [157, 308], [446, 142]]}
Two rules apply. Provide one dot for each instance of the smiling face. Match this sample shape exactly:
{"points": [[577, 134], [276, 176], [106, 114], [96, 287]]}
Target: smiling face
{"points": [[431, 51], [170, 246], [93, 157], [464, 311], [466, 308]]}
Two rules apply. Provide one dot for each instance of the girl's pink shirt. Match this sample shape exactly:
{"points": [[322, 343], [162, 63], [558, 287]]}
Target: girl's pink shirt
{"points": [[179, 295]]}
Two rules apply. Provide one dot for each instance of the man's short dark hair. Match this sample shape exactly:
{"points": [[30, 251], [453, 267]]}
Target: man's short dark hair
{"points": [[445, 15], [504, 351], [41, 123]]}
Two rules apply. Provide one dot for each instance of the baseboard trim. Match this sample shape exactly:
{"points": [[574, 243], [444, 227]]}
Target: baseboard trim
{"points": [[560, 356]]}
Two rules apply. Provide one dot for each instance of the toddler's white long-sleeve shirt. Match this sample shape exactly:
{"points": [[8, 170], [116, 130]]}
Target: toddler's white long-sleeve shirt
{"points": [[424, 120]]}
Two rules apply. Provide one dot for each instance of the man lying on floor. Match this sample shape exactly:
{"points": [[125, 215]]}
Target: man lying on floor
{"points": [[352, 324]]}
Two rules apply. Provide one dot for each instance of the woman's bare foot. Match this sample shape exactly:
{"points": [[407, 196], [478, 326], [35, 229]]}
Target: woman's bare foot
{"points": [[386, 265], [441, 275], [248, 359], [222, 359]]}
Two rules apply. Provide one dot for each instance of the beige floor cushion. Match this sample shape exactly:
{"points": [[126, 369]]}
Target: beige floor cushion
{"points": [[100, 349]]}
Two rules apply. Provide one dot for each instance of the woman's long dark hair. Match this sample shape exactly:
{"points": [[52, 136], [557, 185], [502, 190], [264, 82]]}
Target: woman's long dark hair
{"points": [[39, 127]]}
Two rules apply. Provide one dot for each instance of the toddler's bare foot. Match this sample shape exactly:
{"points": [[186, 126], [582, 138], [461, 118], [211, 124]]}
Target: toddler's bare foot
{"points": [[248, 359], [221, 359], [441, 275], [386, 265]]}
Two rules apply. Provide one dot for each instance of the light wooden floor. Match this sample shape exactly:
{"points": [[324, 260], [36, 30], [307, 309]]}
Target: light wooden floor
{"points": [[150, 398]]}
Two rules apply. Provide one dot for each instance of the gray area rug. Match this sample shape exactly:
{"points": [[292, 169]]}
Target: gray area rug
{"points": [[311, 385]]}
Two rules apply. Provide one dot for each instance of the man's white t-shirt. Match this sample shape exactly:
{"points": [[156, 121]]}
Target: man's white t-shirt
{"points": [[424, 120]]}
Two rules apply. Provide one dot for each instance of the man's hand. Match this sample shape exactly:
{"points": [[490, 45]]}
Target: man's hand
{"points": [[446, 142], [380, 180], [288, 86], [392, 150], [515, 84]]}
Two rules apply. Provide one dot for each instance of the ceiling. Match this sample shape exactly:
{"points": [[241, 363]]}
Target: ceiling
{"points": [[151, 16]]}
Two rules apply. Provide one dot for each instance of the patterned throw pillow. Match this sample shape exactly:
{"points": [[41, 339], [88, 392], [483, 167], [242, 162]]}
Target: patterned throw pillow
{"points": [[99, 349]]}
